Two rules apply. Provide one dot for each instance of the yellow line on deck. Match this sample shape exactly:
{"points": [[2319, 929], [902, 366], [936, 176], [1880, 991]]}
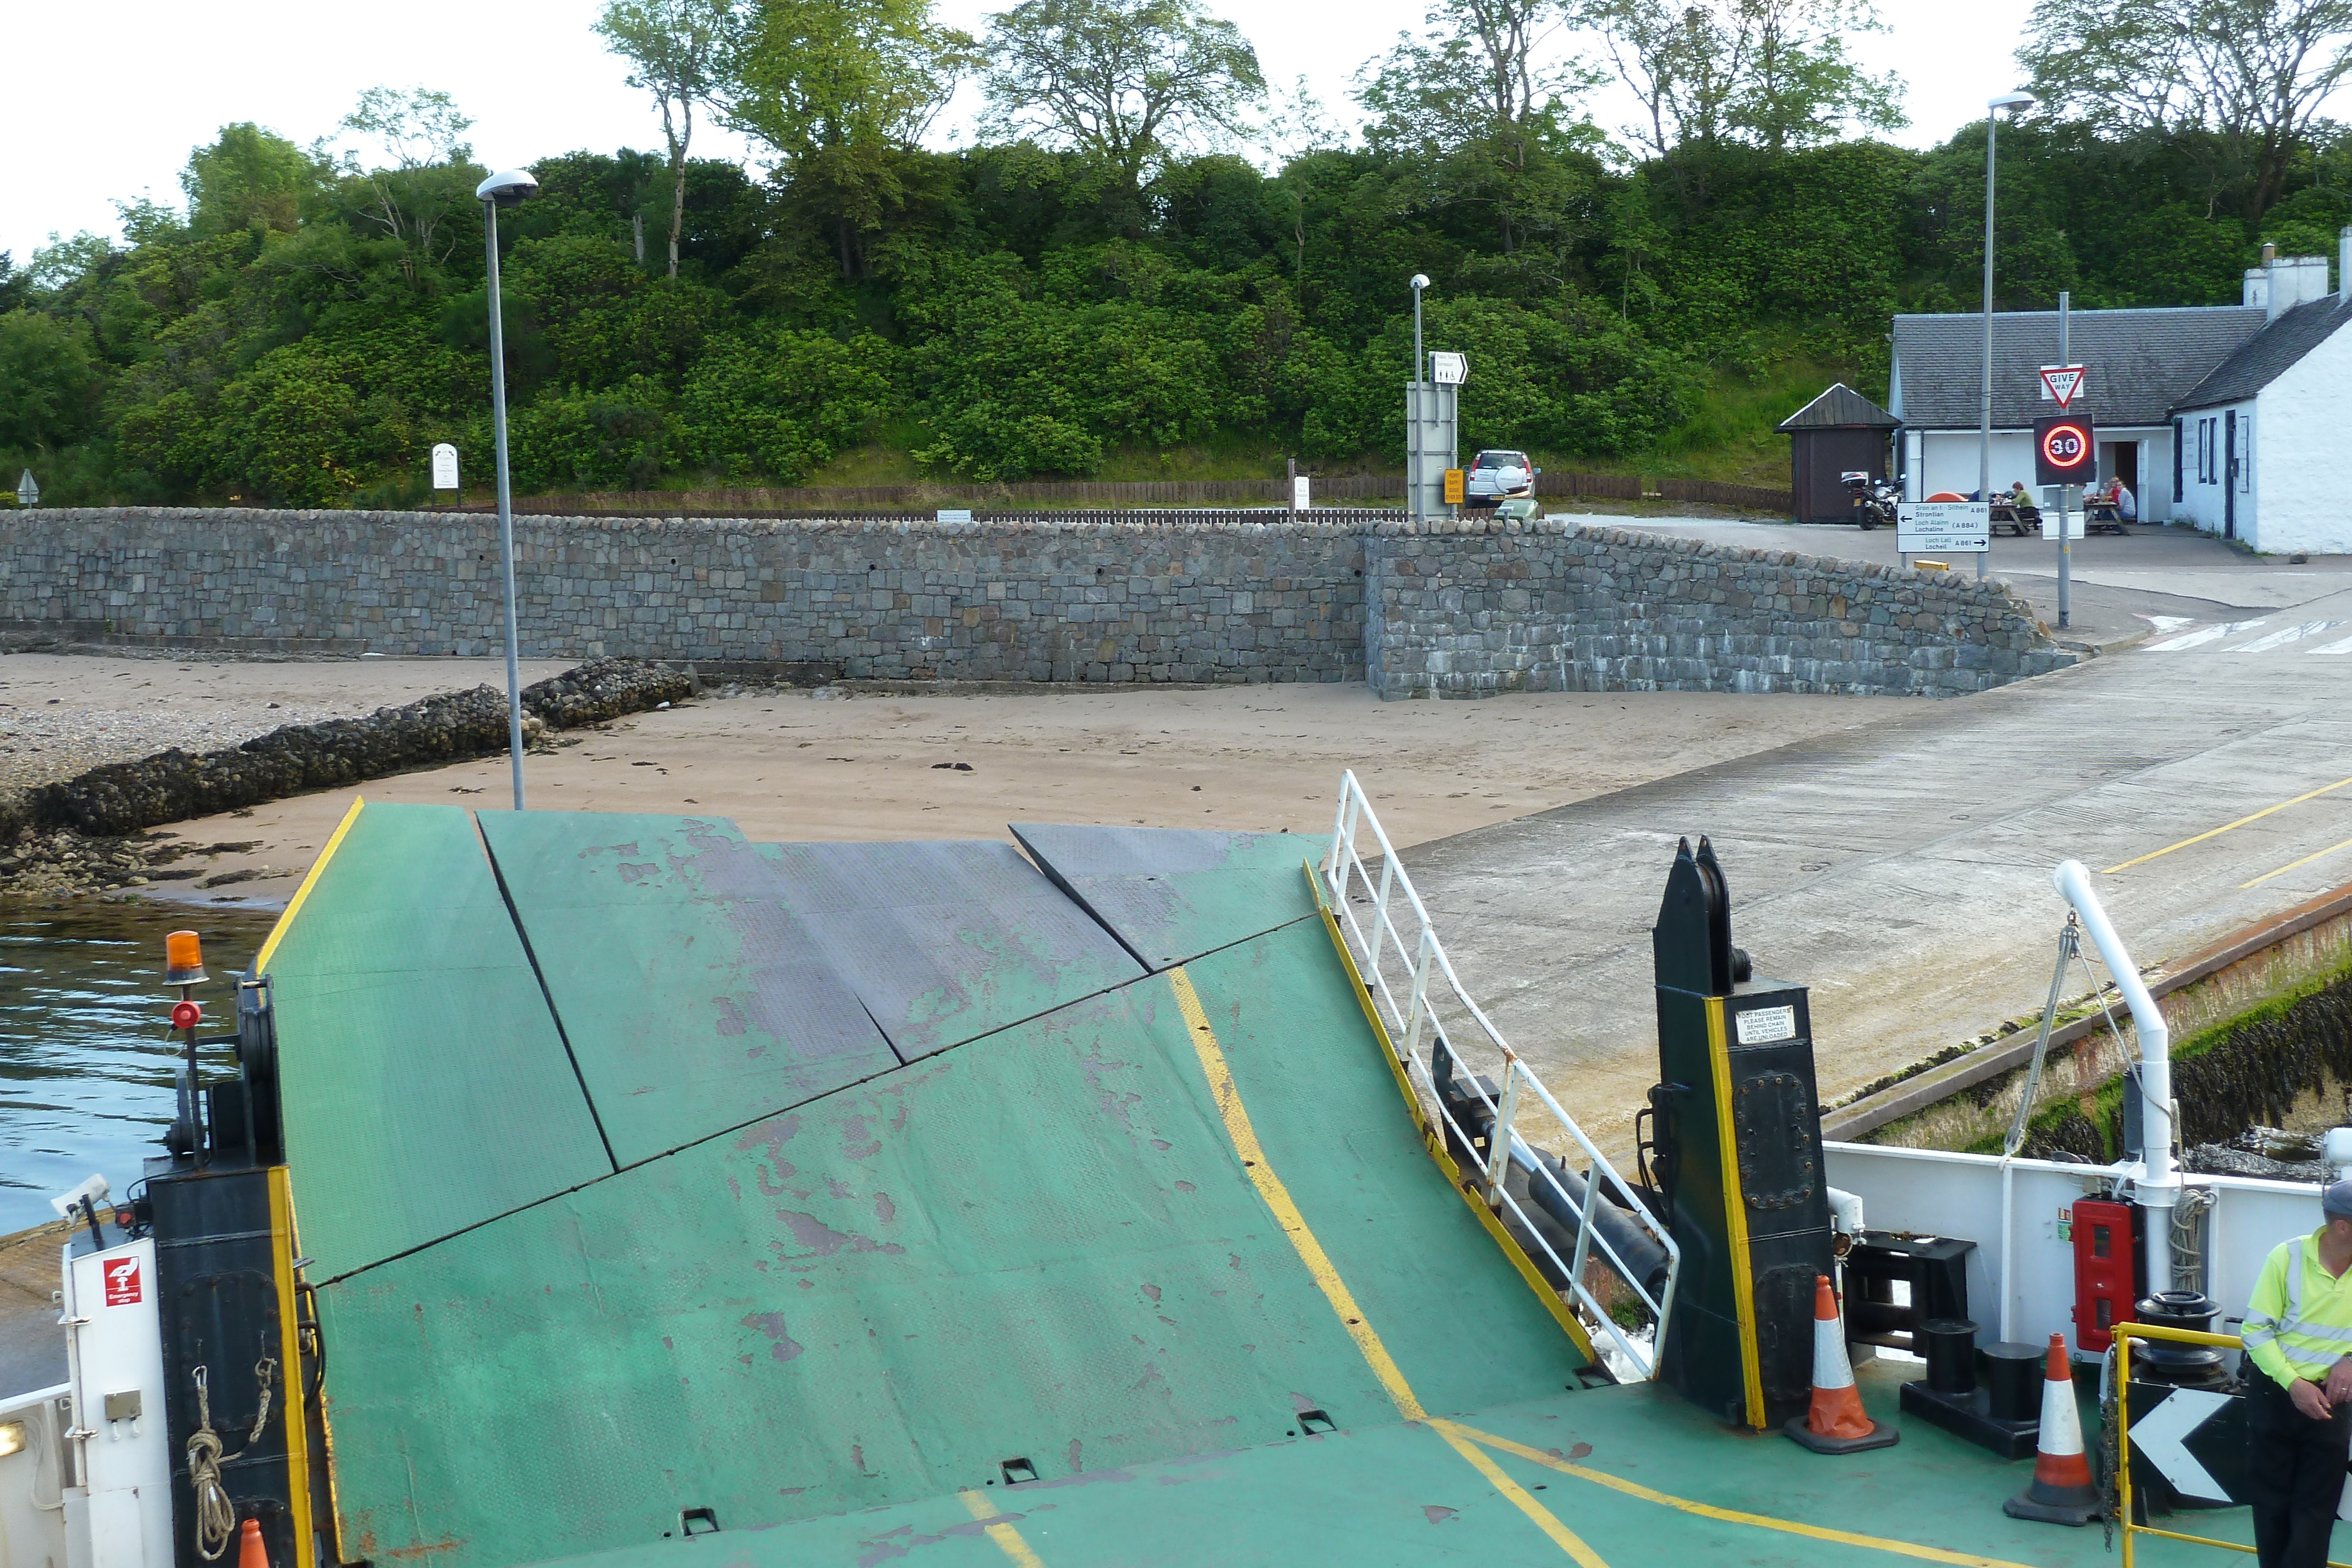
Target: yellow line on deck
{"points": [[2226, 827], [1006, 1536], [2291, 865], [1728, 1515], [293, 904], [1277, 1198], [1562, 1537]]}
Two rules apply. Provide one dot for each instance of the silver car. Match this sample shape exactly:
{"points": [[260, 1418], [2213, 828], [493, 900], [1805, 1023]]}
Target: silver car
{"points": [[1499, 475]]}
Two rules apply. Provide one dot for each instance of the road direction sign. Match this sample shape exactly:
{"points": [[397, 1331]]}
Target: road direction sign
{"points": [[444, 467], [2065, 449], [2062, 382], [27, 493], [1948, 528], [1449, 369]]}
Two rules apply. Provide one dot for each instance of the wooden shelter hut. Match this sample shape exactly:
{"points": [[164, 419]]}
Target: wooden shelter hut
{"points": [[1839, 432]]}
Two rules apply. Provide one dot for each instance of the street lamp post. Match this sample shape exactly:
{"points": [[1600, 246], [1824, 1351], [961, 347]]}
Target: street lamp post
{"points": [[2013, 101], [1419, 396], [505, 189]]}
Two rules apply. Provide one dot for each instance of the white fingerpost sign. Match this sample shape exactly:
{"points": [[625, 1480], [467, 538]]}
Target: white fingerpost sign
{"points": [[2062, 384], [444, 467], [1298, 490], [1449, 369], [1946, 527]]}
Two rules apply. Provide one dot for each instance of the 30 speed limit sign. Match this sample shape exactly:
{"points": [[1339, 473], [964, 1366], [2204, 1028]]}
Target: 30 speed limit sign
{"points": [[2065, 450]]}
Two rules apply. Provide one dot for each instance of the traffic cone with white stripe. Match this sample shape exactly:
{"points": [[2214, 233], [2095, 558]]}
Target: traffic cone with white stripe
{"points": [[1836, 1424], [2060, 1491]]}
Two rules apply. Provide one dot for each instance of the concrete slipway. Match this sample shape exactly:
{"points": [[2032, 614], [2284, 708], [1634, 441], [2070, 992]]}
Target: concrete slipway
{"points": [[1902, 870]]}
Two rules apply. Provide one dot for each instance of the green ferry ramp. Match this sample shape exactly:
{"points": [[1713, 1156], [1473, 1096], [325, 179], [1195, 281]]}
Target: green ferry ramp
{"points": [[669, 1196]]}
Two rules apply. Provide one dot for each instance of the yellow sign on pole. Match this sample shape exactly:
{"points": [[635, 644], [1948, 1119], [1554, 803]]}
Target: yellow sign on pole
{"points": [[1454, 486]]}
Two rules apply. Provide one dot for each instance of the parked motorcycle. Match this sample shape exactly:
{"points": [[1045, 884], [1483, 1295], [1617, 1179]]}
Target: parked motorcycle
{"points": [[1873, 500]]}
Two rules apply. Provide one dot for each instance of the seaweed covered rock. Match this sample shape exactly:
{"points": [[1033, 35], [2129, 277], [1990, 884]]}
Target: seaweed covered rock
{"points": [[174, 786], [607, 688]]}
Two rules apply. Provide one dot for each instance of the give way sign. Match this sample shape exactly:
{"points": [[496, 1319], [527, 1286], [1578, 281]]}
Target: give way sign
{"points": [[2064, 382]]}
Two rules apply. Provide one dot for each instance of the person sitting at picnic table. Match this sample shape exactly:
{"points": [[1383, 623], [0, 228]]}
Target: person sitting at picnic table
{"points": [[2017, 496], [2119, 497]]}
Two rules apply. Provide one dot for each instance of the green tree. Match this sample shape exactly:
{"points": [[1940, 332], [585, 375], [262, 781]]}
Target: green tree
{"points": [[1120, 80], [2252, 75], [842, 90], [680, 51], [1769, 73], [47, 380], [425, 178], [1474, 107], [249, 178]]}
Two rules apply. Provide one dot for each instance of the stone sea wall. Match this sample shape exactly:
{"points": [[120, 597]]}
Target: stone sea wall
{"points": [[1466, 608], [1615, 610]]}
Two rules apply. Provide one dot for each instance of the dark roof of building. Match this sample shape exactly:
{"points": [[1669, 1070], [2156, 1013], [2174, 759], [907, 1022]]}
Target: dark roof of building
{"points": [[2270, 352], [2141, 362], [1840, 408]]}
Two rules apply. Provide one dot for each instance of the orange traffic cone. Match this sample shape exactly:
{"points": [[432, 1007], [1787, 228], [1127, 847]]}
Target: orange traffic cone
{"points": [[2060, 1491], [250, 1552], [1836, 1424]]}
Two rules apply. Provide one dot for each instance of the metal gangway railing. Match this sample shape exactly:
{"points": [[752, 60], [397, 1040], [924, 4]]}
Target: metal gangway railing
{"points": [[1422, 1005]]}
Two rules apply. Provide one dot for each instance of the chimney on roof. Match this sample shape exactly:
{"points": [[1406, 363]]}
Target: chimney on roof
{"points": [[2270, 253]]}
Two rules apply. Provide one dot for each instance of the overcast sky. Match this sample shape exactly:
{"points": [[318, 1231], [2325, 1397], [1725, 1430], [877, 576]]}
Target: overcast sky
{"points": [[104, 101]]}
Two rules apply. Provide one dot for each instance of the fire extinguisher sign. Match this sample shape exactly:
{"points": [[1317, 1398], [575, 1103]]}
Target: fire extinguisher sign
{"points": [[122, 1281], [2065, 450]]}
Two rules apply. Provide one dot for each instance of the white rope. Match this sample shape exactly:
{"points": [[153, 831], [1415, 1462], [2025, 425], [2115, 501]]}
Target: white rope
{"points": [[215, 1513]]}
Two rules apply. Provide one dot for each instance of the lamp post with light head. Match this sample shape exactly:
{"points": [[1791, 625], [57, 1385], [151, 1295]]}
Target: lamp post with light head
{"points": [[2016, 102], [507, 188], [1419, 395]]}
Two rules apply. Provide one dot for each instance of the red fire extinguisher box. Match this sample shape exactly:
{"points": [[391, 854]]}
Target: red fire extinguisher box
{"points": [[2110, 1269]]}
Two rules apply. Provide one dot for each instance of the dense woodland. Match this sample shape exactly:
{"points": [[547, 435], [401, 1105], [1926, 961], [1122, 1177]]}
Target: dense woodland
{"points": [[1169, 271]]}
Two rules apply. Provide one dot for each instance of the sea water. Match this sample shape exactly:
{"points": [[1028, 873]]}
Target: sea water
{"points": [[87, 1047]]}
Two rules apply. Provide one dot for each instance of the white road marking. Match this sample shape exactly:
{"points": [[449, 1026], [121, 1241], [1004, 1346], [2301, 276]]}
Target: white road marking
{"points": [[2162, 624], [2343, 647], [2161, 1437], [2282, 638], [2203, 636]]}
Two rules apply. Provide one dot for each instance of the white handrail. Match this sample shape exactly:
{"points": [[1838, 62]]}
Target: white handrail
{"points": [[1415, 1020]]}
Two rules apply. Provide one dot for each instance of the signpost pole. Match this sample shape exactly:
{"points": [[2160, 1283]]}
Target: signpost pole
{"points": [[1984, 432], [2065, 550]]}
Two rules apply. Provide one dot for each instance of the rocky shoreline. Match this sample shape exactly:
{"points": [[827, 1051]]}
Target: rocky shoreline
{"points": [[94, 832]]}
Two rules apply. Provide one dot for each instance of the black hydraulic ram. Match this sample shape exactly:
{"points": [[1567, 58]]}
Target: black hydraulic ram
{"points": [[1546, 1182]]}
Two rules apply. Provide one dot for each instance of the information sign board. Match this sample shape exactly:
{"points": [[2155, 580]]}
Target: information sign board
{"points": [[1946, 526], [1449, 369], [444, 467], [1298, 502]]}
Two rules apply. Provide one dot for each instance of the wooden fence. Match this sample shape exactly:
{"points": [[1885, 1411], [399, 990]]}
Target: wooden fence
{"points": [[1121, 494]]}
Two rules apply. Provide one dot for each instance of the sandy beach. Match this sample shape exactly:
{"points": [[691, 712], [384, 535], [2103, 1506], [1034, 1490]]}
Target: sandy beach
{"points": [[837, 764]]}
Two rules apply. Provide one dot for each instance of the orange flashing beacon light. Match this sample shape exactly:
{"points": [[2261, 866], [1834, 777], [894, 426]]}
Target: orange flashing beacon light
{"points": [[184, 959]]}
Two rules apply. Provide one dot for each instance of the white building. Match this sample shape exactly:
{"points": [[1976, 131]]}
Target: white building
{"points": [[2177, 395]]}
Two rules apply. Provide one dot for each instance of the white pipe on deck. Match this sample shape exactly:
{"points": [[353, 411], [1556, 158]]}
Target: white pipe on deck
{"points": [[2156, 1182]]}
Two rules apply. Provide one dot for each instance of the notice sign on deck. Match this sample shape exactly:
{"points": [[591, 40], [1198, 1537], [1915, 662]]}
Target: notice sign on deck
{"points": [[1954, 527]]}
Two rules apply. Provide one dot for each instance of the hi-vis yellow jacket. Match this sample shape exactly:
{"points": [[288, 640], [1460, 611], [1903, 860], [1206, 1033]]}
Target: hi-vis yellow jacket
{"points": [[2299, 1321]]}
